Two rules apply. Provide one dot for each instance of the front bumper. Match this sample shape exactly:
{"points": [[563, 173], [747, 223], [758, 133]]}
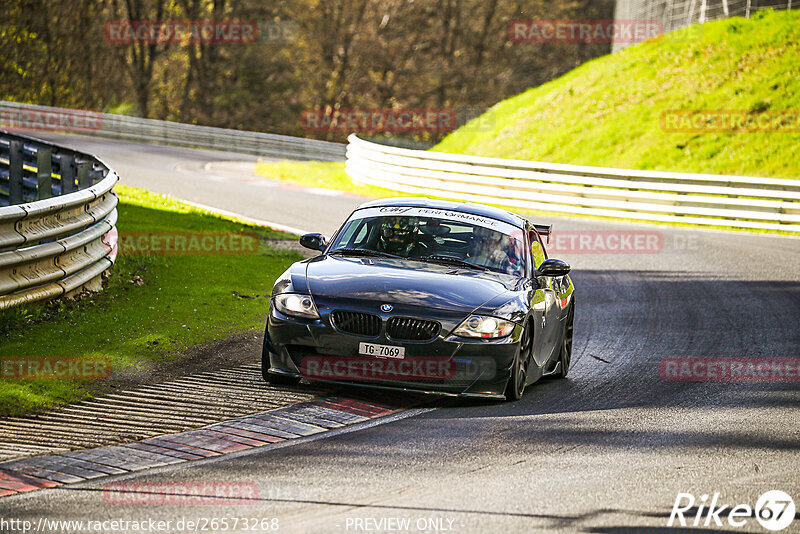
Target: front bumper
{"points": [[447, 365]]}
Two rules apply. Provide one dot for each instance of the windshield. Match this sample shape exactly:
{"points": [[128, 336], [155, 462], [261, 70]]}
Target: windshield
{"points": [[438, 236]]}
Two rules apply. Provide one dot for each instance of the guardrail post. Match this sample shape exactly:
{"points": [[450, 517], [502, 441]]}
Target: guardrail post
{"points": [[95, 175], [44, 169], [54, 246], [68, 175], [83, 175], [15, 172]]}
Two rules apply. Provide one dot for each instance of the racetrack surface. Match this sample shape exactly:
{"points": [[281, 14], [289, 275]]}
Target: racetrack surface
{"points": [[605, 450]]}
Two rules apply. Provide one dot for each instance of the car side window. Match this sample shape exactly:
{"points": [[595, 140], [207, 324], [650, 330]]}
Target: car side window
{"points": [[360, 235], [355, 234], [346, 235], [537, 249]]}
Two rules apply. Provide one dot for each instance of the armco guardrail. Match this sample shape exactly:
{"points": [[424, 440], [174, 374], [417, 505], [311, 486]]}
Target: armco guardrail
{"points": [[705, 199], [57, 207], [30, 117]]}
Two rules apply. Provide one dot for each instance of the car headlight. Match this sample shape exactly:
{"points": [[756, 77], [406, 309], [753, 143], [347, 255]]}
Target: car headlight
{"points": [[484, 327], [296, 305]]}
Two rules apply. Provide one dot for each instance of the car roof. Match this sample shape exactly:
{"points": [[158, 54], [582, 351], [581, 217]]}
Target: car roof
{"points": [[462, 207]]}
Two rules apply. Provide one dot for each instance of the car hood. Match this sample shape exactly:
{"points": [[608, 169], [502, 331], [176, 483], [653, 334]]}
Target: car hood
{"points": [[410, 284]]}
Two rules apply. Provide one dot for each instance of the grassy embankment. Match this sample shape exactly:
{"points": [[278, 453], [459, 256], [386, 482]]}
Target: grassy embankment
{"points": [[608, 111], [155, 307]]}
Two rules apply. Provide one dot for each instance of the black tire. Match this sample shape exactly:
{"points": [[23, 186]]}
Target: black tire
{"points": [[519, 370], [273, 378], [565, 357]]}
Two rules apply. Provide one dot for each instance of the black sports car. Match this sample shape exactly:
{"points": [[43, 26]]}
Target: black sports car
{"points": [[424, 295]]}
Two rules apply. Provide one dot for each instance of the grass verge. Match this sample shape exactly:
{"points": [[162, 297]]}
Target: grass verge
{"points": [[318, 174], [154, 307], [608, 112]]}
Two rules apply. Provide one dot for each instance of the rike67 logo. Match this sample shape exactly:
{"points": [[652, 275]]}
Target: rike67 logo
{"points": [[774, 510]]}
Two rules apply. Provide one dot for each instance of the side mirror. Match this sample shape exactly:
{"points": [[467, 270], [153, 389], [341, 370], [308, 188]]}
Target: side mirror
{"points": [[314, 241], [554, 267]]}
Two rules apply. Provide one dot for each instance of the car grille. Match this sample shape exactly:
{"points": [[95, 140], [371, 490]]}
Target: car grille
{"points": [[410, 329], [360, 324]]}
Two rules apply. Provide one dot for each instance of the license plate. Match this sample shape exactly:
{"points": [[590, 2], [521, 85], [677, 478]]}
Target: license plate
{"points": [[382, 351]]}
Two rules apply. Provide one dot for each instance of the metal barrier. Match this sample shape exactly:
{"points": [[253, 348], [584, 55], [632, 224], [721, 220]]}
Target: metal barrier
{"points": [[57, 207], [676, 14], [703, 199], [31, 117]]}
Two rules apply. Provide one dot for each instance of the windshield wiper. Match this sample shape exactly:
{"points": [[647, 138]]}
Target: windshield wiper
{"points": [[365, 252], [447, 260]]}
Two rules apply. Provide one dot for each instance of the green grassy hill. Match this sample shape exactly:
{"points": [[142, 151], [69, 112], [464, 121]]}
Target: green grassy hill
{"points": [[608, 111]]}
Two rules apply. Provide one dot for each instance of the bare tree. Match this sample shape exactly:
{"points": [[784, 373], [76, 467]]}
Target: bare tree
{"points": [[140, 57]]}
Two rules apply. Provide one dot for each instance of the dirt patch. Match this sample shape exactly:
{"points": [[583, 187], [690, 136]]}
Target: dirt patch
{"points": [[243, 348], [238, 349]]}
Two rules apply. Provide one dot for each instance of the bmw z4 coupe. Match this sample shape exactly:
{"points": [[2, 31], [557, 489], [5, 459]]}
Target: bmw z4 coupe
{"points": [[424, 295]]}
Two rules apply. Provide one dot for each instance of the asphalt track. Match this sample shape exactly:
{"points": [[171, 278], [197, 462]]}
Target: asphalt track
{"points": [[606, 450]]}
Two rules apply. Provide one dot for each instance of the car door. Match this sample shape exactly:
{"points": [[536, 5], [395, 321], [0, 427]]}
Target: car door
{"points": [[546, 307], [539, 322], [541, 299]]}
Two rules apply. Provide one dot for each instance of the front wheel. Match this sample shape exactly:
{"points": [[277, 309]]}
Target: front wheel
{"points": [[566, 346], [519, 370]]}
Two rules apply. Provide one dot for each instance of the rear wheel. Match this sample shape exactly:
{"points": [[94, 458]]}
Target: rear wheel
{"points": [[274, 378], [519, 370], [566, 345]]}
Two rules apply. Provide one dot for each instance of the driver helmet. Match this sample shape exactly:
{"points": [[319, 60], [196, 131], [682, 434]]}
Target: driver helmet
{"points": [[397, 233]]}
